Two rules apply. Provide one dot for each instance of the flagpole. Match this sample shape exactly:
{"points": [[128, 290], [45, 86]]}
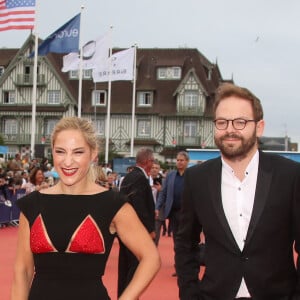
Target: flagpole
{"points": [[80, 66], [133, 103], [34, 86], [108, 100], [95, 106]]}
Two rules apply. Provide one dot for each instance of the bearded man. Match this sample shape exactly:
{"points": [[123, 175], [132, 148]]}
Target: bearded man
{"points": [[247, 203]]}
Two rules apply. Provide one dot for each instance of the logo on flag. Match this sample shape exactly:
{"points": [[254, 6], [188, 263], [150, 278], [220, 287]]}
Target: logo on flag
{"points": [[121, 67], [94, 53], [17, 14], [63, 40]]}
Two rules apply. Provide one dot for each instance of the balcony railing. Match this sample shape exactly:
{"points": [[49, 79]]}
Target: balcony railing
{"points": [[190, 110], [25, 139], [27, 80], [188, 141]]}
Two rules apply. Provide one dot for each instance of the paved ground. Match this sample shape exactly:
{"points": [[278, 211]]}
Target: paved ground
{"points": [[164, 286]]}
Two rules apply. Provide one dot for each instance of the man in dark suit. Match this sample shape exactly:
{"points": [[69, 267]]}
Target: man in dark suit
{"points": [[170, 197], [248, 205], [136, 187]]}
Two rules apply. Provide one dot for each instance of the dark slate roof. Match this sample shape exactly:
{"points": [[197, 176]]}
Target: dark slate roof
{"points": [[148, 60], [6, 56]]}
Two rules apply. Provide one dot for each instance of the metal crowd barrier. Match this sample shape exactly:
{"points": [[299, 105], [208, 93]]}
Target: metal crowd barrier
{"points": [[9, 211]]}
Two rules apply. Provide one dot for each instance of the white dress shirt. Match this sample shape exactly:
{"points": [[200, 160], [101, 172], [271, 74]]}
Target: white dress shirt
{"points": [[237, 200]]}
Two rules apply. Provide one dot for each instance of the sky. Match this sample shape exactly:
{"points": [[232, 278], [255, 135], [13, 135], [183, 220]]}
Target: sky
{"points": [[255, 42]]}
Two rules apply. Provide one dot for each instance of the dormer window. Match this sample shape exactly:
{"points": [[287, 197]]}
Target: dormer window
{"points": [[169, 73], [208, 72], [99, 98], [1, 70], [144, 98]]}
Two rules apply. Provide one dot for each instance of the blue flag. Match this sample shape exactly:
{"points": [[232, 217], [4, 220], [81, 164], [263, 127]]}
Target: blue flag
{"points": [[63, 40]]}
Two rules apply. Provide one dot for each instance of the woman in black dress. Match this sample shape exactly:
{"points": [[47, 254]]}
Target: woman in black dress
{"points": [[66, 231]]}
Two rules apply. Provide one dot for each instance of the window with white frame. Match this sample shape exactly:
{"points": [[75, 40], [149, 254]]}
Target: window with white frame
{"points": [[191, 98], [86, 74], [1, 70], [73, 74], [170, 73], [143, 128], [100, 127], [190, 133], [145, 98], [10, 126], [190, 128], [176, 73], [9, 97], [27, 73], [54, 97], [99, 98], [49, 126], [162, 73]]}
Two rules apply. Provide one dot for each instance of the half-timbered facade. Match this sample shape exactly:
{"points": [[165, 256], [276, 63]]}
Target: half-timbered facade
{"points": [[173, 100]]}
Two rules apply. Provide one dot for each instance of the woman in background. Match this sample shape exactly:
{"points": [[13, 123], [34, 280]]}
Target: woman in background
{"points": [[36, 181], [101, 177]]}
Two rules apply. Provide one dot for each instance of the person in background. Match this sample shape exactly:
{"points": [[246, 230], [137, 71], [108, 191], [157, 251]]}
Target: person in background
{"points": [[50, 181], [25, 177], [111, 181], [170, 197], [4, 195], [34, 163], [66, 232], [3, 187], [44, 164], [36, 181], [101, 177], [15, 164], [128, 169], [47, 171], [25, 161], [247, 203], [107, 168], [155, 179], [136, 188]]}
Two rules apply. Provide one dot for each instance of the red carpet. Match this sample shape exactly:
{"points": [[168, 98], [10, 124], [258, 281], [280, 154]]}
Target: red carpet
{"points": [[163, 287]]}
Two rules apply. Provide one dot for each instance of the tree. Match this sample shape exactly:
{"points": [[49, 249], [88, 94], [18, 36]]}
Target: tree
{"points": [[111, 156]]}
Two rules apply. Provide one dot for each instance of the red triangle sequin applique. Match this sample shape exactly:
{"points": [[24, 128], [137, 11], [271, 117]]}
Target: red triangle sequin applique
{"points": [[39, 239], [87, 238]]}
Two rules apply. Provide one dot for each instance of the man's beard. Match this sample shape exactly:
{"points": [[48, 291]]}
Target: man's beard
{"points": [[236, 153]]}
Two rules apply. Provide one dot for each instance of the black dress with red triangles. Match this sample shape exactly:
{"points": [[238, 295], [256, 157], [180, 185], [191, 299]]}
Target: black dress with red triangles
{"points": [[71, 241]]}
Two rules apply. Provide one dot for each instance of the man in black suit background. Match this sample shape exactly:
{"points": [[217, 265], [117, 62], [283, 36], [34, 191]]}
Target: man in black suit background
{"points": [[247, 203], [136, 187]]}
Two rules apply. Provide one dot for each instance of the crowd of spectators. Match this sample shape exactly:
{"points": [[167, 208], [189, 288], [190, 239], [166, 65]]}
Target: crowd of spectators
{"points": [[22, 172]]}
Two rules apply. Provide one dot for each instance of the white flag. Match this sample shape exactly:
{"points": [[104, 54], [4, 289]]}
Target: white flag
{"points": [[95, 53], [71, 62], [121, 67]]}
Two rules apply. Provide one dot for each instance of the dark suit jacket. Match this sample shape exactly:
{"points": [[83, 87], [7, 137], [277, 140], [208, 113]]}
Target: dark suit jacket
{"points": [[166, 196], [136, 187], [266, 262]]}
